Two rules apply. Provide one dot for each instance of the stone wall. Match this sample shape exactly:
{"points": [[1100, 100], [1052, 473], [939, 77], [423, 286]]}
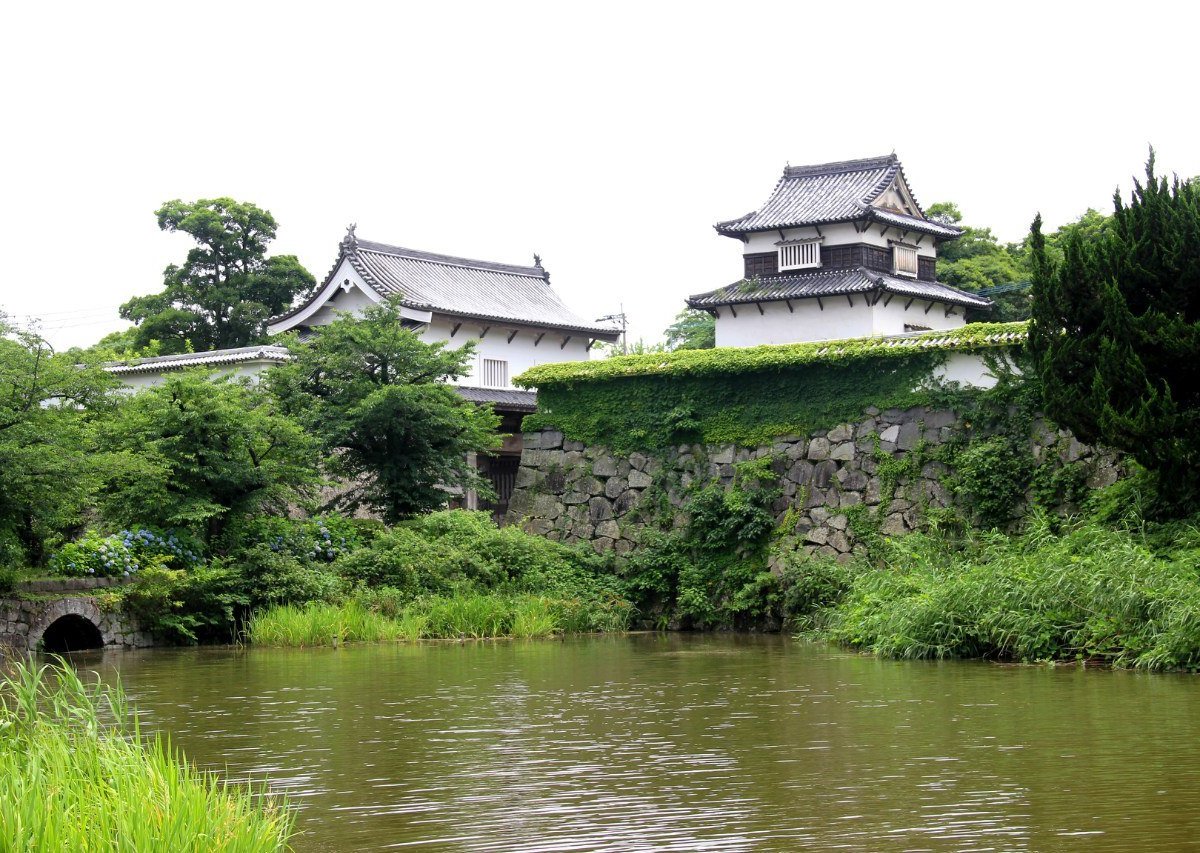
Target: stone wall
{"points": [[570, 492], [23, 620]]}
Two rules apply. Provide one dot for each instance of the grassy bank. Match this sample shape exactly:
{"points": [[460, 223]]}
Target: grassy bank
{"points": [[1127, 597], [71, 780], [377, 618]]}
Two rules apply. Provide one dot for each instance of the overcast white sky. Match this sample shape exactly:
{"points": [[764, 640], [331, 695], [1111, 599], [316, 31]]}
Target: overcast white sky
{"points": [[608, 137]]}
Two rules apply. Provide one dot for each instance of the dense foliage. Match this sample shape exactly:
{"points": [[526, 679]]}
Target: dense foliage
{"points": [[200, 452], [1088, 591], [75, 774], [692, 329], [438, 571], [1116, 332], [49, 405], [375, 396], [712, 572], [744, 396], [223, 293]]}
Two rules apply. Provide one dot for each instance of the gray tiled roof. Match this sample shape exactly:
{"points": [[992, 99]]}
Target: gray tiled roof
{"points": [[829, 192], [913, 223], [832, 283], [183, 360], [462, 287], [505, 398]]}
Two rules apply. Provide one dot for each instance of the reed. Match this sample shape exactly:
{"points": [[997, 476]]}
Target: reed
{"points": [[75, 777], [1089, 592], [465, 616]]}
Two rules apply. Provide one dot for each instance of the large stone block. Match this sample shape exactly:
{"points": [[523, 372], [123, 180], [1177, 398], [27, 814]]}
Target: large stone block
{"points": [[909, 435], [938, 418], [843, 452], [841, 432], [604, 466], [546, 506], [615, 486], [640, 480], [551, 439], [818, 449], [823, 474], [599, 509], [626, 501], [801, 473], [890, 434]]}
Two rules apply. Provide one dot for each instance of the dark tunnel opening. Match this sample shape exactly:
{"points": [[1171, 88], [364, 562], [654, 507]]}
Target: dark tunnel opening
{"points": [[71, 633]]}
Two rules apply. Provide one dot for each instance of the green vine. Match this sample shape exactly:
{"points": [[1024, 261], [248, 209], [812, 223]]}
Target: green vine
{"points": [[744, 396]]}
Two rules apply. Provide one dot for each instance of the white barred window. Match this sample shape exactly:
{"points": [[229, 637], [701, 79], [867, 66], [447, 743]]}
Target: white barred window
{"points": [[904, 260], [494, 373], [799, 254]]}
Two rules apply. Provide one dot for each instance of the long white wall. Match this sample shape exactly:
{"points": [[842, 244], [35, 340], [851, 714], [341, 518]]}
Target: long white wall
{"points": [[839, 234], [809, 321]]}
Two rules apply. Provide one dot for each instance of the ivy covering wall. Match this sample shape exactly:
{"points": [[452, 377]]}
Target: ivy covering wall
{"points": [[744, 396]]}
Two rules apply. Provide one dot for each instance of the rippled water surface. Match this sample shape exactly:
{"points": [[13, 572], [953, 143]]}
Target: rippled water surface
{"points": [[687, 743]]}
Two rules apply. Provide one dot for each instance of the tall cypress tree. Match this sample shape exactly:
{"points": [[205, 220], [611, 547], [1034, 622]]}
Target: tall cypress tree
{"points": [[1116, 333]]}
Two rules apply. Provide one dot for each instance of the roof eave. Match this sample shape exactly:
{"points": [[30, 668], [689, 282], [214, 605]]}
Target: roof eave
{"points": [[600, 333]]}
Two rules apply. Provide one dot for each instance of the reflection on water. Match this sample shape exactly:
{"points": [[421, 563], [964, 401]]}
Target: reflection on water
{"points": [[678, 742]]}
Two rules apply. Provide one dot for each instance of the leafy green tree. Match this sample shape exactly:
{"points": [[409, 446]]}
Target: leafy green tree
{"points": [[201, 452], [49, 402], [977, 260], [373, 393], [1116, 332], [692, 329], [226, 289]]}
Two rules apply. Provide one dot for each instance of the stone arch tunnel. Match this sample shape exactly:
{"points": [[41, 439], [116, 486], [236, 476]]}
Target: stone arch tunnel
{"points": [[65, 624]]}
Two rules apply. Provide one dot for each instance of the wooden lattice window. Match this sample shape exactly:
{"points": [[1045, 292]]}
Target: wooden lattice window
{"points": [[799, 254], [494, 373], [904, 260]]}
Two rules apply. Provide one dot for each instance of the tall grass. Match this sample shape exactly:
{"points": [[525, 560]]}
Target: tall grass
{"points": [[465, 616], [1089, 592], [74, 777]]}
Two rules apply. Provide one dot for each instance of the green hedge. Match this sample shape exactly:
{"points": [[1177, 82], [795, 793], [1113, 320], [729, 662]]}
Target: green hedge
{"points": [[744, 396]]}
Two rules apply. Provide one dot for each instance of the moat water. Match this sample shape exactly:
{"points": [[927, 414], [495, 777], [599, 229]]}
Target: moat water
{"points": [[683, 742]]}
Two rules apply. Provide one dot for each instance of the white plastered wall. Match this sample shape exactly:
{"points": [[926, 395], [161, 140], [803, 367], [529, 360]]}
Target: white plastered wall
{"points": [[833, 318], [527, 348], [839, 234], [967, 368], [252, 370]]}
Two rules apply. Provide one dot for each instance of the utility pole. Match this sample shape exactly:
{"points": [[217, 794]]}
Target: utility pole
{"points": [[623, 321]]}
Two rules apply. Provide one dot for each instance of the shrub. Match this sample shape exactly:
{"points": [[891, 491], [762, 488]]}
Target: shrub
{"points": [[205, 603], [278, 577], [810, 585], [320, 539], [992, 477], [126, 552], [457, 553], [400, 559], [95, 556]]}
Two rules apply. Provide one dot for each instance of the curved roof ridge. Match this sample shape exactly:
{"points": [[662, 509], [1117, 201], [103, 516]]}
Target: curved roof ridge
{"points": [[450, 260], [837, 167]]}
